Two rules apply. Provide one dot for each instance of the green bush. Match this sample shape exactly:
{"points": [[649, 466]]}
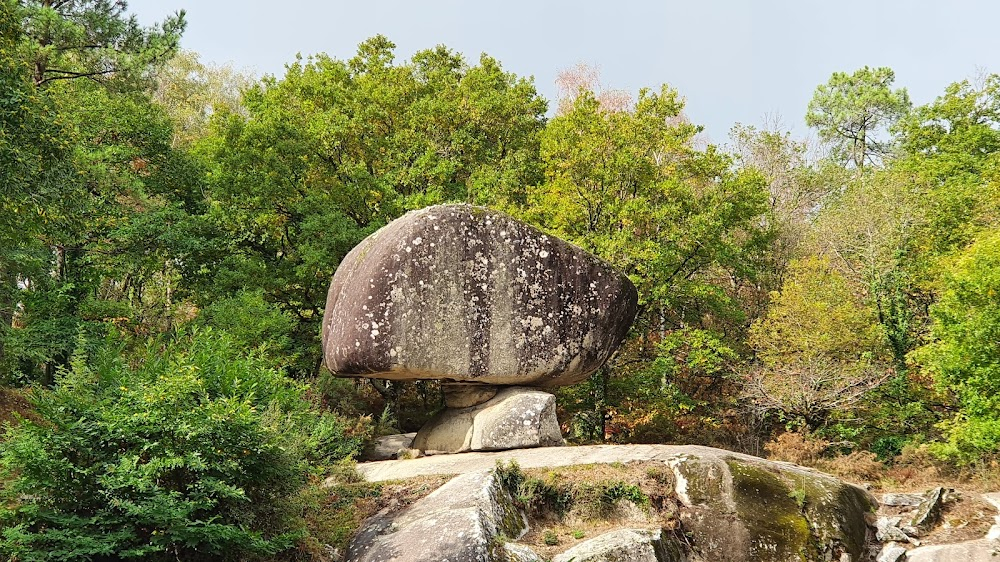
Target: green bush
{"points": [[194, 452]]}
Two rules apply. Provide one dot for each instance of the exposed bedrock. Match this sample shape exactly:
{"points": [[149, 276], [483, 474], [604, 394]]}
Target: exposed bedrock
{"points": [[463, 293]]}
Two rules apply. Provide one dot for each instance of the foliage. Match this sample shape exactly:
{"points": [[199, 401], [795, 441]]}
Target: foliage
{"points": [[629, 186], [319, 159], [820, 348], [851, 109], [193, 452], [558, 496], [103, 189], [191, 92], [93, 39], [964, 354]]}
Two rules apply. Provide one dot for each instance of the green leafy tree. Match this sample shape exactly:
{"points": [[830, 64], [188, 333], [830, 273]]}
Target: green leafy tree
{"points": [[70, 39], [102, 189], [852, 110], [686, 227], [33, 165], [964, 353], [191, 92], [821, 350], [336, 149], [951, 149]]}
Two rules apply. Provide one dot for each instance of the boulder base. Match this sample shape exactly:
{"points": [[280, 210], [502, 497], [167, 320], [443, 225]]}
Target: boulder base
{"points": [[730, 508], [463, 293], [515, 418]]}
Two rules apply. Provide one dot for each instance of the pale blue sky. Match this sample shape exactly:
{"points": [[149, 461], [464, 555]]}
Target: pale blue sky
{"points": [[734, 61]]}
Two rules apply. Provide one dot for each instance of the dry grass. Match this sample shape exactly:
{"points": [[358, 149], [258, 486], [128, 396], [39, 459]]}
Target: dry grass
{"points": [[13, 406], [552, 532], [965, 516]]}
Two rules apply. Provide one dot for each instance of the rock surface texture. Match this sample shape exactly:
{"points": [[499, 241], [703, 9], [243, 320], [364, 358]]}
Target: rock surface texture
{"points": [[463, 293], [515, 418], [459, 522], [981, 550], [625, 545], [730, 507]]}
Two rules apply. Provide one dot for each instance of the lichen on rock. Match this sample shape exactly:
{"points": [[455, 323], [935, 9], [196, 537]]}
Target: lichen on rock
{"points": [[463, 293]]}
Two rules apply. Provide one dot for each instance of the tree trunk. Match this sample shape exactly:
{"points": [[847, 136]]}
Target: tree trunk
{"points": [[601, 402]]}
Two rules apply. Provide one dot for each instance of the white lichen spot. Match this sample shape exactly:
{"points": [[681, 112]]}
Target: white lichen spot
{"points": [[417, 241], [409, 249], [543, 254]]}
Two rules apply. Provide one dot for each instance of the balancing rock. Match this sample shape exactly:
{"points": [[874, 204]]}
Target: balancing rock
{"points": [[467, 294]]}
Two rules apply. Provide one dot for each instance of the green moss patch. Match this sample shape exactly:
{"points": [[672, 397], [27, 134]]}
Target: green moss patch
{"points": [[770, 509]]}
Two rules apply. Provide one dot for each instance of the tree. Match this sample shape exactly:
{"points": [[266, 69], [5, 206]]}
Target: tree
{"points": [[33, 163], [336, 149], [852, 110], [865, 231], [685, 226], [964, 351], [797, 186], [192, 92], [950, 153], [69, 39], [820, 350], [586, 78], [101, 185]]}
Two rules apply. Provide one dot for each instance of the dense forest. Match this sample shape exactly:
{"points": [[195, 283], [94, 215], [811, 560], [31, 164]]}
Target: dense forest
{"points": [[169, 228]]}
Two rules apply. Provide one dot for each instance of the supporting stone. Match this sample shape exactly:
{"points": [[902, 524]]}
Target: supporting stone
{"points": [[515, 418]]}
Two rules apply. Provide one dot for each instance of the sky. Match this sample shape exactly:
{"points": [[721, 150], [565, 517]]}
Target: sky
{"points": [[734, 61]]}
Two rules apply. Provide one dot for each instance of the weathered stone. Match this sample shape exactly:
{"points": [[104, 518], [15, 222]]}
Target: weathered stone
{"points": [[463, 293], [887, 529], [388, 447], [980, 550], [460, 395], [459, 522], [520, 553], [625, 545], [741, 509], [515, 418], [891, 552], [733, 507], [901, 500], [929, 511]]}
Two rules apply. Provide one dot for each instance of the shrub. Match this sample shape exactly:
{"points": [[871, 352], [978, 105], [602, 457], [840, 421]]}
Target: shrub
{"points": [[797, 448], [857, 466], [194, 453]]}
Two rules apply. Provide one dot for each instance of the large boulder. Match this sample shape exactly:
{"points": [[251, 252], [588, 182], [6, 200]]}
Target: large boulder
{"points": [[463, 293], [515, 418]]}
